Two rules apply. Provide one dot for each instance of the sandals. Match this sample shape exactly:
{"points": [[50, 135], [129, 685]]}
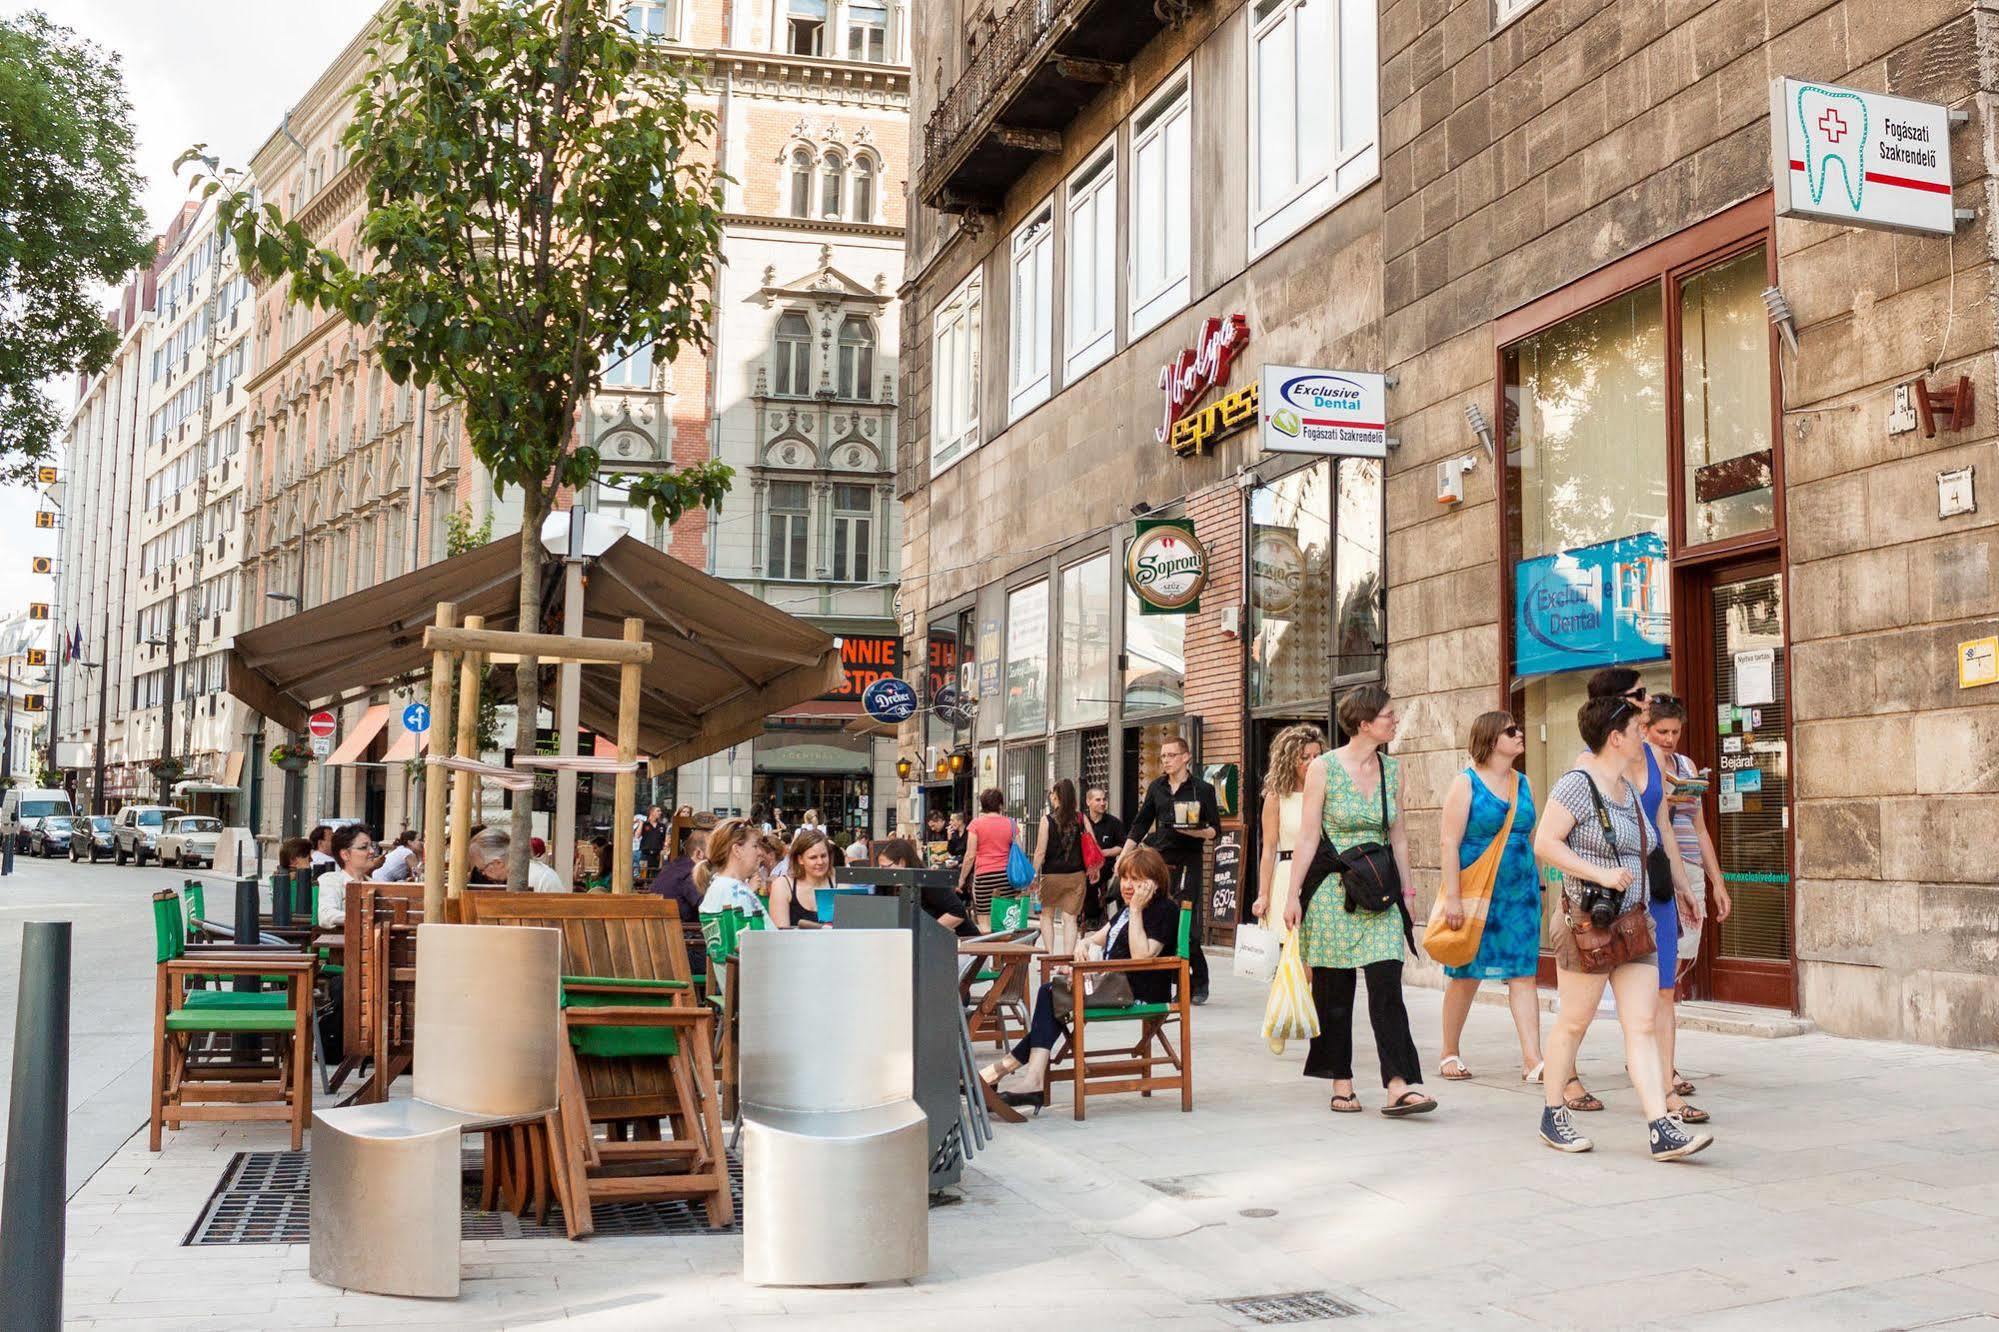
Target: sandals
{"points": [[1345, 1105], [1689, 1113], [1462, 1074], [1409, 1103], [1681, 1087], [1534, 1074], [1586, 1101]]}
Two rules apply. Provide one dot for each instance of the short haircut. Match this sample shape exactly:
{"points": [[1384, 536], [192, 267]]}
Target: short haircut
{"points": [[1666, 707], [1600, 718], [1176, 739], [1361, 705], [349, 834], [992, 800], [488, 844], [1145, 863], [293, 848], [319, 832], [1486, 728], [899, 851], [1612, 681]]}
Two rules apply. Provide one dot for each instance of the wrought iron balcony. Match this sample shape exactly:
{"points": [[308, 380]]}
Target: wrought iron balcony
{"points": [[1045, 61]]}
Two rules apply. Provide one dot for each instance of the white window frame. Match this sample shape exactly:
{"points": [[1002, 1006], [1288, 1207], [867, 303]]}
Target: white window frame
{"points": [[853, 535], [854, 372], [786, 370], [1352, 156], [1030, 322], [1171, 113], [1090, 203], [954, 374], [795, 522], [855, 28], [627, 367]]}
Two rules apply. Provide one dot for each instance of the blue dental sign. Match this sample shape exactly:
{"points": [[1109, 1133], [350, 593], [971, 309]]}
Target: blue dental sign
{"points": [[1600, 605], [1331, 413], [889, 700]]}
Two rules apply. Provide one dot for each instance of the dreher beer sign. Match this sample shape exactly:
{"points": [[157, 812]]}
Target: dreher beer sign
{"points": [[1861, 158], [1331, 413]]}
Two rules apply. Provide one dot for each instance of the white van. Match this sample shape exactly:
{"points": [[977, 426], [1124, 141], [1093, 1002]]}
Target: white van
{"points": [[23, 805]]}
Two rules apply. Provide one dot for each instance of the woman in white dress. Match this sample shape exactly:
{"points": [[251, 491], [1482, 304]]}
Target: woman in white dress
{"points": [[1295, 750]]}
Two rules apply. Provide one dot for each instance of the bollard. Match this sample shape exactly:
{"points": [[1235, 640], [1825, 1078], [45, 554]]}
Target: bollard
{"points": [[281, 900], [31, 1203], [249, 930]]}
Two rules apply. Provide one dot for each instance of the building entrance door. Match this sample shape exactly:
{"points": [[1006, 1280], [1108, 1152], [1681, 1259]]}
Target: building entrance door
{"points": [[1739, 694]]}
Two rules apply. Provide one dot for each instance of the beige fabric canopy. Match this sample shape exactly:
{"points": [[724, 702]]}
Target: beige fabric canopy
{"points": [[722, 660]]}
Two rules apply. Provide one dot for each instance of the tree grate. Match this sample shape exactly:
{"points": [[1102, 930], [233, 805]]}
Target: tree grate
{"points": [[266, 1198], [1302, 1306]]}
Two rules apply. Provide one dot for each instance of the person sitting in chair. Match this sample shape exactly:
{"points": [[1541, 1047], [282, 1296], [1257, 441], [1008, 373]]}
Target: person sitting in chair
{"points": [[1147, 927]]}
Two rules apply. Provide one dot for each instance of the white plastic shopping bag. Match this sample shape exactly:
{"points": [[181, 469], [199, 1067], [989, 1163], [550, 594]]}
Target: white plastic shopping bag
{"points": [[1256, 952]]}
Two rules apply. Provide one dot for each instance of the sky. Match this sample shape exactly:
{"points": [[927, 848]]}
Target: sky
{"points": [[220, 72]]}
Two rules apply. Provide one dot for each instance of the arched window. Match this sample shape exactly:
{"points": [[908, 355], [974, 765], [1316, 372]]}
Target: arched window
{"points": [[322, 445], [864, 188], [794, 356], [857, 357], [832, 177], [801, 183]]}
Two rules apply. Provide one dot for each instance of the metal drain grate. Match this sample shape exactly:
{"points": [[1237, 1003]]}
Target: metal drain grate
{"points": [[1298, 1307], [265, 1198]]}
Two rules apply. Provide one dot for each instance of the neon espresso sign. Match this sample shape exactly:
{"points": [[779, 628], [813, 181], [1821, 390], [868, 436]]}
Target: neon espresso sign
{"points": [[1187, 377]]}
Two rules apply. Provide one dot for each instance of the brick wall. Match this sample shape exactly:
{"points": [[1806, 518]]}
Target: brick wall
{"points": [[1214, 659]]}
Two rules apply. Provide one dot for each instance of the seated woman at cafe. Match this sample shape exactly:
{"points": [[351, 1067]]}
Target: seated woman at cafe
{"points": [[486, 853], [727, 865], [794, 897], [1144, 928], [354, 858], [940, 902]]}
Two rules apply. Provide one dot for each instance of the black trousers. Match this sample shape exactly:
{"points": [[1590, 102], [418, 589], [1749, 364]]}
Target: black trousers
{"points": [[1331, 1054], [1187, 888]]}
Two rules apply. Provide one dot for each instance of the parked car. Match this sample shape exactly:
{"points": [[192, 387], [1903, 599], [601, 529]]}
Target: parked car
{"points": [[99, 842], [50, 836], [22, 805], [135, 834], [190, 840]]}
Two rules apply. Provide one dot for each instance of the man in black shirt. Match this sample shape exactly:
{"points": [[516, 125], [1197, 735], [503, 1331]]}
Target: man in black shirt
{"points": [[1178, 818], [1109, 830], [652, 840]]}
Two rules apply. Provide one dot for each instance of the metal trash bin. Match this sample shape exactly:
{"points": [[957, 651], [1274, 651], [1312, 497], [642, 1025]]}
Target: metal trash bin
{"points": [[835, 1147]]}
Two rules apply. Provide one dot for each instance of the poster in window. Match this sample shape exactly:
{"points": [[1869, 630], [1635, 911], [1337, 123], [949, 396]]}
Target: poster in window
{"points": [[1599, 605]]}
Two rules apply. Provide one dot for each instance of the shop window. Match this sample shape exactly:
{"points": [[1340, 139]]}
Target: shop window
{"points": [[1024, 779], [1084, 649], [1033, 276], [801, 182], [853, 523], [942, 694], [833, 176], [1312, 110], [628, 367], [1359, 572], [857, 357], [867, 32], [1154, 661], [790, 517], [794, 356], [1161, 206], [1291, 591], [954, 376], [1092, 265], [805, 27], [1027, 659], [1725, 401]]}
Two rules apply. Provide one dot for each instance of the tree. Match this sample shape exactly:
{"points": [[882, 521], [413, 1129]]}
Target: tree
{"points": [[536, 200], [69, 222]]}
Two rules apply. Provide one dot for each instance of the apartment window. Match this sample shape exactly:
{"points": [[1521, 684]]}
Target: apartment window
{"points": [[651, 20], [626, 366], [790, 517], [857, 357], [867, 32], [1092, 259], [805, 27], [1312, 110], [794, 356], [853, 524], [1161, 206], [1033, 281], [864, 188], [833, 175], [954, 376], [801, 183]]}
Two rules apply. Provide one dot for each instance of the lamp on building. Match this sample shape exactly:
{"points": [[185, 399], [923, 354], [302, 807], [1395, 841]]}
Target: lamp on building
{"points": [[957, 763], [1780, 314], [903, 767], [942, 770]]}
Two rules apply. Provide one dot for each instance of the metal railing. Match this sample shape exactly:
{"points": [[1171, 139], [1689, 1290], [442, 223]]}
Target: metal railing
{"points": [[970, 103]]}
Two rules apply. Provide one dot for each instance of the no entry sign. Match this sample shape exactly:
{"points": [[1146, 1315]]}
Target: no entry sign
{"points": [[321, 725]]}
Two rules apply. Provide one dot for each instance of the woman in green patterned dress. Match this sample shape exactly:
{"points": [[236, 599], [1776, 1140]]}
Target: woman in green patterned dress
{"points": [[1352, 795]]}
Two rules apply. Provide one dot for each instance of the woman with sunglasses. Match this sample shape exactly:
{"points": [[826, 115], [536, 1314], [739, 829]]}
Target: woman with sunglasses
{"points": [[1509, 946], [1665, 725]]}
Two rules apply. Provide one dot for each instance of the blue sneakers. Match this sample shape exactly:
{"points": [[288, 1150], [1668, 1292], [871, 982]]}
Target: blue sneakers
{"points": [[1671, 1141], [1558, 1130]]}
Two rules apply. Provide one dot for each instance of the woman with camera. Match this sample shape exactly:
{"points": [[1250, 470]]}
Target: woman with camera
{"points": [[1596, 833], [1356, 920]]}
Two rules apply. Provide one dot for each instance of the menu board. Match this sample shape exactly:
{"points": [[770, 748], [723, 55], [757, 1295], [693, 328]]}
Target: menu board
{"points": [[1225, 885]]}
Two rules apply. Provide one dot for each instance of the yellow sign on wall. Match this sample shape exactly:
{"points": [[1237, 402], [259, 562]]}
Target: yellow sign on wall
{"points": [[38, 656], [38, 610], [45, 519], [1196, 432], [1977, 662]]}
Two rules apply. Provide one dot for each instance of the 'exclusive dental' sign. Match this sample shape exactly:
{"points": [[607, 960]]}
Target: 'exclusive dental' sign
{"points": [[1861, 158], [1332, 413]]}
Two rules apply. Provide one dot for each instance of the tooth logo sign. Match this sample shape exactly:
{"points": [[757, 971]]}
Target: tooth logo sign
{"points": [[1860, 158], [1835, 129]]}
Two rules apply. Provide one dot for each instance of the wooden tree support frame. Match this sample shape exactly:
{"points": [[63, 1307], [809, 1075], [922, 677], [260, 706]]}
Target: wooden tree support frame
{"points": [[457, 652]]}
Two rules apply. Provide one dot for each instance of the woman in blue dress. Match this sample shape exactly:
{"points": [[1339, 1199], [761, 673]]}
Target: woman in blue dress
{"points": [[1509, 947]]}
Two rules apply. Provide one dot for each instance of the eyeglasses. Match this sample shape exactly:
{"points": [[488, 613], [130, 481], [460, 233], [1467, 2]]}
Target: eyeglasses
{"points": [[1512, 732]]}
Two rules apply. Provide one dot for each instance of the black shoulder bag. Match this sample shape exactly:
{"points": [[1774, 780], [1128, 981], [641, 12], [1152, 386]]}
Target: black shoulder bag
{"points": [[1367, 870]]}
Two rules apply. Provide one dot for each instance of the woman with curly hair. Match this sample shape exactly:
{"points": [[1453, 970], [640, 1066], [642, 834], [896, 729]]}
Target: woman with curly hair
{"points": [[1292, 753]]}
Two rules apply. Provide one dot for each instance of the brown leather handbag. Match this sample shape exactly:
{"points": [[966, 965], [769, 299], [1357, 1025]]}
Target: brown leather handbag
{"points": [[1627, 938]]}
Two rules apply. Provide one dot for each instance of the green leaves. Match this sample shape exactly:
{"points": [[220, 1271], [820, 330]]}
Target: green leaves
{"points": [[69, 222]]}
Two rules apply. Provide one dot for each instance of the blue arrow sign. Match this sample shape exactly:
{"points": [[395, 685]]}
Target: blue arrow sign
{"points": [[416, 717]]}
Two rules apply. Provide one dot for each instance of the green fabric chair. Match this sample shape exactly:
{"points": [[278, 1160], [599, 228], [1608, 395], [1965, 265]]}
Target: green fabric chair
{"points": [[170, 945], [621, 992], [1135, 1011]]}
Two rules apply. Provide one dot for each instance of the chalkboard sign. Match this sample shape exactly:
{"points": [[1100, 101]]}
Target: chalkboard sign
{"points": [[1225, 887]]}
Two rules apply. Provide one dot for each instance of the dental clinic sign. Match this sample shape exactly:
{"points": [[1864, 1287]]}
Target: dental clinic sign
{"points": [[1860, 158], [1331, 413]]}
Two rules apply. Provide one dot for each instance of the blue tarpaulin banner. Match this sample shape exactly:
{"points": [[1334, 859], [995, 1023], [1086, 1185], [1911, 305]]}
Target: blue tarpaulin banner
{"points": [[1600, 605]]}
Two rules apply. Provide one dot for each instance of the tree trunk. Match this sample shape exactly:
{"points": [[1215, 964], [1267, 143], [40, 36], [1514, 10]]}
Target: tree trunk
{"points": [[527, 681]]}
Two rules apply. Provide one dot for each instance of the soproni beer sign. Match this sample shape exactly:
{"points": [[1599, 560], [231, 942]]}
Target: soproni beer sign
{"points": [[1332, 413], [1166, 567]]}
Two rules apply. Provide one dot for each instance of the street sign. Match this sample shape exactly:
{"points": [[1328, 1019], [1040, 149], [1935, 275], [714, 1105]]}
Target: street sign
{"points": [[416, 717], [321, 725], [1862, 158], [889, 699], [38, 610], [322, 745]]}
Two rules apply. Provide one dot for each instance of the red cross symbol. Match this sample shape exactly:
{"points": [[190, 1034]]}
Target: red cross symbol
{"points": [[1832, 125]]}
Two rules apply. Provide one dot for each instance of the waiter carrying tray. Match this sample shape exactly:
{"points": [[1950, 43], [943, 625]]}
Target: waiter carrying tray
{"points": [[1178, 818]]}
